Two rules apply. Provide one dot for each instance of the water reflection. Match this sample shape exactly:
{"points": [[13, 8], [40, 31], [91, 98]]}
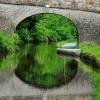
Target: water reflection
{"points": [[7, 65], [40, 66], [48, 72], [8, 62]]}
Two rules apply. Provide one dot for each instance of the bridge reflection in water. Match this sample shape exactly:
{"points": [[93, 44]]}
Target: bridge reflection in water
{"points": [[16, 88]]}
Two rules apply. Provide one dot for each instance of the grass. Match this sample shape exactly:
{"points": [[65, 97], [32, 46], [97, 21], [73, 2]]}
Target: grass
{"points": [[94, 51], [91, 49]]}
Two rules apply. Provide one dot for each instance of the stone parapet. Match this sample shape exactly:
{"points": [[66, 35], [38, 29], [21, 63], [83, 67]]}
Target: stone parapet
{"points": [[89, 5]]}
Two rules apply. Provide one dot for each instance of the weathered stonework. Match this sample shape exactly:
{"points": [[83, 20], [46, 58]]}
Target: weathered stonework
{"points": [[91, 5], [4, 23], [87, 23]]}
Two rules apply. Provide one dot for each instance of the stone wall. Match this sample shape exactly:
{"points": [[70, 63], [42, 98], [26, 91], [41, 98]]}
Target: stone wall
{"points": [[91, 5]]}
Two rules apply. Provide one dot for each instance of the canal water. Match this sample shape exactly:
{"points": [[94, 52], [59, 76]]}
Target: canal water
{"points": [[40, 66], [36, 69]]}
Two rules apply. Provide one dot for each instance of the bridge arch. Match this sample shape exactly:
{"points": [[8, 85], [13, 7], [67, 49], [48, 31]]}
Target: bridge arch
{"points": [[77, 33], [87, 23]]}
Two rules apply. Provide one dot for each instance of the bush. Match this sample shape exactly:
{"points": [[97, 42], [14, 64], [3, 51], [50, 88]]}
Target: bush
{"points": [[46, 27], [25, 36], [8, 42]]}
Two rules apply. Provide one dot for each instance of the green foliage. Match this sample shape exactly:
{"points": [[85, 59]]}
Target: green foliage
{"points": [[25, 36], [9, 62], [94, 51], [91, 49], [8, 42], [46, 27], [41, 66], [95, 77]]}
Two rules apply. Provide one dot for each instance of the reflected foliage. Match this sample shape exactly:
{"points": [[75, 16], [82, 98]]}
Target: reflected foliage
{"points": [[40, 66], [8, 62]]}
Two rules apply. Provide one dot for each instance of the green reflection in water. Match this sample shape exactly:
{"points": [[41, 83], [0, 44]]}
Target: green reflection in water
{"points": [[40, 66], [8, 62]]}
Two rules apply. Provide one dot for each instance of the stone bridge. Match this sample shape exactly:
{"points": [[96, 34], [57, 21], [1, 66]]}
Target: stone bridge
{"points": [[87, 23]]}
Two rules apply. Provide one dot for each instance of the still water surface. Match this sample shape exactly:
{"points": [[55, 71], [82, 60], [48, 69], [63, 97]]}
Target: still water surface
{"points": [[39, 65]]}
